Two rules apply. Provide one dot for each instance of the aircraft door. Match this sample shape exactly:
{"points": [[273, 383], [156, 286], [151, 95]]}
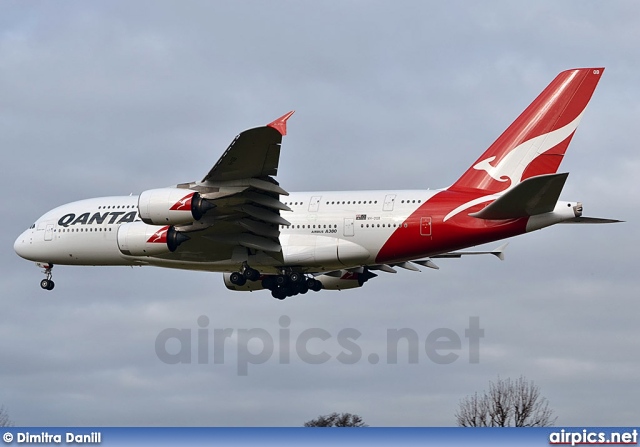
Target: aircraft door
{"points": [[314, 203], [425, 226], [389, 200], [348, 227], [48, 232]]}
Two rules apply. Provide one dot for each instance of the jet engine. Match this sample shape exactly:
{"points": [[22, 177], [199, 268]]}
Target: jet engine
{"points": [[172, 206], [140, 239], [345, 279], [248, 286]]}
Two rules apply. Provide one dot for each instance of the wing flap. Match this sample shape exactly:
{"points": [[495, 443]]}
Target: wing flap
{"points": [[259, 228], [383, 268], [263, 214], [267, 201]]}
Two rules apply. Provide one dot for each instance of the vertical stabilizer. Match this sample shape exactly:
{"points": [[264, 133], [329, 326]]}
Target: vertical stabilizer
{"points": [[535, 143]]}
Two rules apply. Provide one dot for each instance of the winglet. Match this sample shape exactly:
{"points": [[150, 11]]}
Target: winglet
{"points": [[281, 123]]}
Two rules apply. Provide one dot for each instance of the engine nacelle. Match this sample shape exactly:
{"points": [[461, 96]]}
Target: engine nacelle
{"points": [[345, 279], [171, 206], [249, 286], [140, 239]]}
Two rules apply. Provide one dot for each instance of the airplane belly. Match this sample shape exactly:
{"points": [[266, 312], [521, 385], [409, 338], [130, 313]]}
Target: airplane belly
{"points": [[85, 249], [350, 253], [324, 252]]}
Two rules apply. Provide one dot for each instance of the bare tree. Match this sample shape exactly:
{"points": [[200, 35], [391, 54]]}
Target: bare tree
{"points": [[337, 420], [507, 404], [4, 418]]}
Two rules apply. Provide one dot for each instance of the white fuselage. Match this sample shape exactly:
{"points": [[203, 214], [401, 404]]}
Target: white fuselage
{"points": [[328, 230]]}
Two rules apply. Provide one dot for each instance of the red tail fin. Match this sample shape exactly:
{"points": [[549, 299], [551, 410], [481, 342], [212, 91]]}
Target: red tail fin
{"points": [[537, 140]]}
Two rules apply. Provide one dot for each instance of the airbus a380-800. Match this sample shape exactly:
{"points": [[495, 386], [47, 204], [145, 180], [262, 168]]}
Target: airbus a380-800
{"points": [[238, 220]]}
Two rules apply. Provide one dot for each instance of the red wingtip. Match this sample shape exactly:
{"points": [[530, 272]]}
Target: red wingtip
{"points": [[281, 123]]}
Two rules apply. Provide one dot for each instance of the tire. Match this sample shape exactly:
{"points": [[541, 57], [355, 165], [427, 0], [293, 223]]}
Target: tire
{"points": [[317, 286], [269, 282], [282, 280], [251, 274], [45, 284], [51, 285], [296, 277], [237, 279], [278, 293]]}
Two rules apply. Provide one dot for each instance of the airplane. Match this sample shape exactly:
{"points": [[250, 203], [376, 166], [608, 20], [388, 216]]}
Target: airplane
{"points": [[238, 220]]}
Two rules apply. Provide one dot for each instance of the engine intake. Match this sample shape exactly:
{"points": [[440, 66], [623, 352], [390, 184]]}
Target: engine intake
{"points": [[172, 206]]}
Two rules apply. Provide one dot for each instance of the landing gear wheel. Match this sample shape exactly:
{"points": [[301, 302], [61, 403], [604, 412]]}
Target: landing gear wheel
{"points": [[237, 278], [251, 274], [47, 284], [269, 282], [296, 277], [282, 280], [279, 293], [314, 284]]}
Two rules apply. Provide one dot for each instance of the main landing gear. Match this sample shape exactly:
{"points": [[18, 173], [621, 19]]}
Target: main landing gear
{"points": [[47, 283], [247, 274], [281, 286], [295, 283]]}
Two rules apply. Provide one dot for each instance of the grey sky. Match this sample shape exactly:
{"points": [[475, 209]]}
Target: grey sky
{"points": [[108, 98]]}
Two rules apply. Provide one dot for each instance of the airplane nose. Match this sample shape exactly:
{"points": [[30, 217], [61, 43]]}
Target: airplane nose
{"points": [[21, 245]]}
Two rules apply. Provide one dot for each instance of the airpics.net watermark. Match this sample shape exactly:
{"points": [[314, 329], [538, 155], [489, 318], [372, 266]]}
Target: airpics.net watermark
{"points": [[313, 346]]}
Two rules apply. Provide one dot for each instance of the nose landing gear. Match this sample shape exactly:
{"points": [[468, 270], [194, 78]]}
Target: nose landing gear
{"points": [[47, 283]]}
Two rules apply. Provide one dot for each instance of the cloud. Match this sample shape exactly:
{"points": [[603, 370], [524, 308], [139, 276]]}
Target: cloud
{"points": [[113, 98]]}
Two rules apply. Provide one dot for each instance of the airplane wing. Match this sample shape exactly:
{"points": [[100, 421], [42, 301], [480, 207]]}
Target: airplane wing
{"points": [[245, 199], [253, 154]]}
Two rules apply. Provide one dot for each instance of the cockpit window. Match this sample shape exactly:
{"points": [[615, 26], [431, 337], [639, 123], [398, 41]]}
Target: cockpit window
{"points": [[32, 226]]}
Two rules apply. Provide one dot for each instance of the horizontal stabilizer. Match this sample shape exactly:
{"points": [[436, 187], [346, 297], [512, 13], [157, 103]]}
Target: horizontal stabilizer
{"points": [[591, 220], [497, 252], [536, 195]]}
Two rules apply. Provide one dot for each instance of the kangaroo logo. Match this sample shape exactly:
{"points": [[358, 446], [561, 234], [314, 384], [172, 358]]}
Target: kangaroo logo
{"points": [[159, 236], [183, 204], [512, 166]]}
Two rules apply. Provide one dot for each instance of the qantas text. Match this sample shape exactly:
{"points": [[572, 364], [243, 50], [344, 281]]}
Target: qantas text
{"points": [[98, 218]]}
